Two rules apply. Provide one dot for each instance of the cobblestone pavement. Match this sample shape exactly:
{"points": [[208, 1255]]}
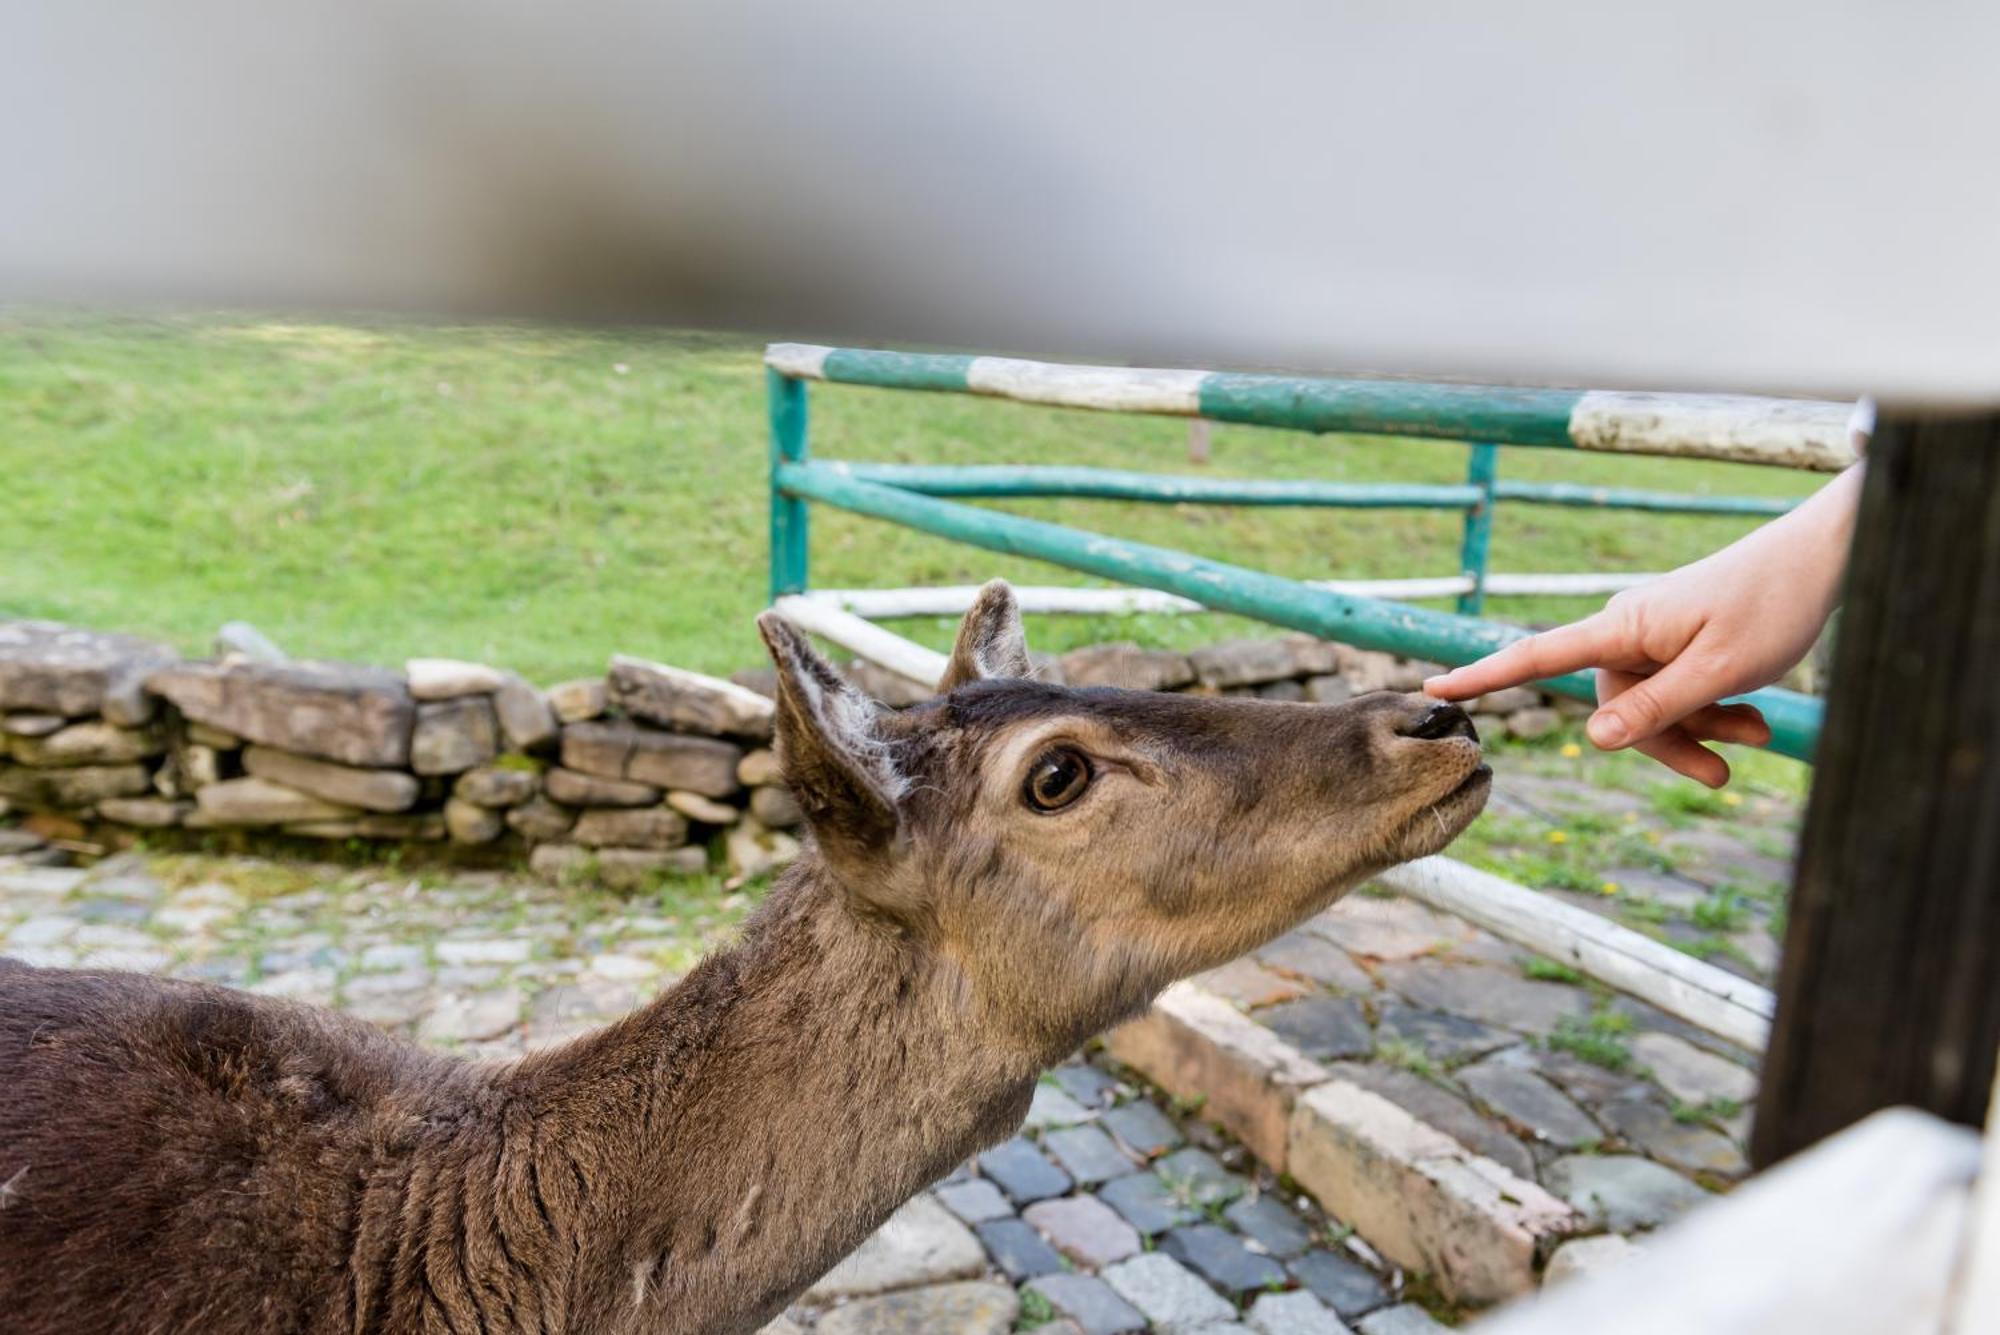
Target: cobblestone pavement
{"points": [[1114, 1210]]}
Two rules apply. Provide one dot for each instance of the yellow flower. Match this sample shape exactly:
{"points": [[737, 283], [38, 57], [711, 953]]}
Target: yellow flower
{"points": [[1609, 888], [1571, 751], [1732, 799], [1631, 818], [1558, 837], [1652, 836]]}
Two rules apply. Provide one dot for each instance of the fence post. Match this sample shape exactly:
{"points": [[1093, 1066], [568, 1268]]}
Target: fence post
{"points": [[1887, 991], [1198, 440], [1480, 472], [789, 545]]}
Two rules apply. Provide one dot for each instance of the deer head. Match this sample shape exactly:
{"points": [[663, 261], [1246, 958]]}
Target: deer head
{"points": [[1064, 854]]}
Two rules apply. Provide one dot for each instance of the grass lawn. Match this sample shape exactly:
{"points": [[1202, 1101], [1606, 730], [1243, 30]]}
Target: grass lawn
{"points": [[540, 497]]}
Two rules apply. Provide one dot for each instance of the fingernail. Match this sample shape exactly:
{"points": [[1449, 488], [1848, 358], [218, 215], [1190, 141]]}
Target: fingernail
{"points": [[1609, 731], [1432, 684]]}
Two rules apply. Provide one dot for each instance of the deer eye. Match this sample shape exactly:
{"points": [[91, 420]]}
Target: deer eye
{"points": [[1057, 779]]}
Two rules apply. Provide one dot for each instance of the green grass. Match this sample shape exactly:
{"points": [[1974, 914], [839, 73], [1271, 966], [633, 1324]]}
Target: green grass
{"points": [[541, 497], [1549, 971], [1599, 1039]]}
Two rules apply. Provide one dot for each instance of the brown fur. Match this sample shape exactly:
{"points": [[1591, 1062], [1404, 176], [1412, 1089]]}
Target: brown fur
{"points": [[179, 1157]]}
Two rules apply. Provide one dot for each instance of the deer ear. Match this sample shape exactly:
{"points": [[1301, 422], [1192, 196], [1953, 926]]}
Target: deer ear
{"points": [[990, 642], [832, 752]]}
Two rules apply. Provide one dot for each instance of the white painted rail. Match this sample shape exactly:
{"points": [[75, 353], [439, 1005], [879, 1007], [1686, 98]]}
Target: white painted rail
{"points": [[885, 649], [1703, 995]]}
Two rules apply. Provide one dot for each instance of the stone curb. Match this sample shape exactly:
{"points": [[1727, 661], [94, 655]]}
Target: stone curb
{"points": [[1410, 1191]]}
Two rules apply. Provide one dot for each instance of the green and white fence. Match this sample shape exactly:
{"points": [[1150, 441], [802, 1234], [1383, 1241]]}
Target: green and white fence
{"points": [[1779, 432]]}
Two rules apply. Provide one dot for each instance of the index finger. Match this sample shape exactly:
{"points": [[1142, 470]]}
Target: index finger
{"points": [[1581, 644]]}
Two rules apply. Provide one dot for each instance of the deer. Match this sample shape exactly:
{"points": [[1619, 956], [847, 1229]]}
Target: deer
{"points": [[991, 876]]}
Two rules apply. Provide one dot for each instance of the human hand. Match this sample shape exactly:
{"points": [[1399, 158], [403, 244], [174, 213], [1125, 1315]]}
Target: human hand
{"points": [[1667, 651]]}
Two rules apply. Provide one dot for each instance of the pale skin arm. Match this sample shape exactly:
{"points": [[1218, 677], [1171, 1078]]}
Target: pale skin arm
{"points": [[1667, 651]]}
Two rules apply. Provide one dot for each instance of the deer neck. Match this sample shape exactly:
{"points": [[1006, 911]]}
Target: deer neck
{"points": [[777, 1105]]}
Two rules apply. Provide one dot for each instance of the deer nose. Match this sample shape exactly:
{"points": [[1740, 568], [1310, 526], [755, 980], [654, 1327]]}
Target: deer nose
{"points": [[1439, 721]]}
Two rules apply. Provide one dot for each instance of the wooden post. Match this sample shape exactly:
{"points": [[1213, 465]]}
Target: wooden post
{"points": [[1889, 992], [1198, 440]]}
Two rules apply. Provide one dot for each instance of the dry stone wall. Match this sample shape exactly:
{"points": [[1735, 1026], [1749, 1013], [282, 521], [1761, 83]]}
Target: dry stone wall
{"points": [[648, 769]]}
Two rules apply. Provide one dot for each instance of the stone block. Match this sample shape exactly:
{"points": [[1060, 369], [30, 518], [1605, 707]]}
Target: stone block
{"points": [[1685, 1145], [1170, 1297], [1140, 1127], [1506, 701], [1419, 1197], [1248, 984], [1087, 1154], [704, 809], [1402, 1319], [79, 787], [1293, 1314], [31, 725], [630, 827], [1431, 1102], [344, 785], [94, 742], [577, 789], [255, 802], [470, 824], [452, 736], [1127, 666], [1093, 1306], [540, 819], [450, 678], [579, 701], [702, 765], [1019, 1169], [213, 738], [496, 786], [1016, 1248], [1584, 1256], [776, 807], [619, 868], [1322, 1028], [974, 1200], [758, 768], [527, 721], [687, 701], [50, 668], [1528, 1101], [1197, 1046], [151, 813], [981, 1308], [1691, 1074], [1147, 1203], [1331, 689], [1243, 663], [1268, 1223], [1084, 1229], [752, 850], [1220, 1257], [1529, 724], [355, 715], [920, 1244]]}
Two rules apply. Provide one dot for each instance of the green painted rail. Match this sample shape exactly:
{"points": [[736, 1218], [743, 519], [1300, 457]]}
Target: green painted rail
{"points": [[1115, 484], [1368, 623], [1789, 433], [990, 481], [1792, 433]]}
